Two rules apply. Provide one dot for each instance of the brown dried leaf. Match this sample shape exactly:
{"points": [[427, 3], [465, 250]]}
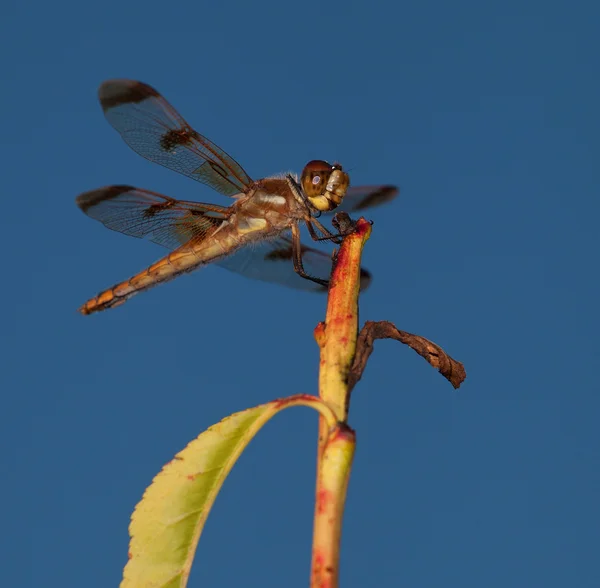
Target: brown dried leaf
{"points": [[451, 369]]}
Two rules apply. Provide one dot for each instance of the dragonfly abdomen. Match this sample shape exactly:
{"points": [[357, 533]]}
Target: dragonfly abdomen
{"points": [[185, 259]]}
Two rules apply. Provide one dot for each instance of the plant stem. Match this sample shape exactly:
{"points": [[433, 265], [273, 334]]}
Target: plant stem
{"points": [[332, 482], [337, 339]]}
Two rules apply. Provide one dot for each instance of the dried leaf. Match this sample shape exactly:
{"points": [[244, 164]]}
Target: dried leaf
{"points": [[451, 369]]}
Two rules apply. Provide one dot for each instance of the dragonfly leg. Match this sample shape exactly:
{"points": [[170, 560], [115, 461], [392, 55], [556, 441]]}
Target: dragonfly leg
{"points": [[326, 234], [297, 258]]}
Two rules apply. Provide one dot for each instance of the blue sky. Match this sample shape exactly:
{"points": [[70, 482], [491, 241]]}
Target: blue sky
{"points": [[486, 115]]}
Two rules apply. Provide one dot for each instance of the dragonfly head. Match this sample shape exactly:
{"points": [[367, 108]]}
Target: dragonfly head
{"points": [[324, 184]]}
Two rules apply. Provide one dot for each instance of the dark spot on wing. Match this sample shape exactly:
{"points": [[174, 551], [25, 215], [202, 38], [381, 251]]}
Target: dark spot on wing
{"points": [[277, 254], [365, 279], [283, 253], [174, 138], [154, 209], [378, 197], [222, 172], [89, 199], [113, 93]]}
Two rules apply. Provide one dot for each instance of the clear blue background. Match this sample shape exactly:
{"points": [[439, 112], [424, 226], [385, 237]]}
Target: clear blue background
{"points": [[486, 114]]}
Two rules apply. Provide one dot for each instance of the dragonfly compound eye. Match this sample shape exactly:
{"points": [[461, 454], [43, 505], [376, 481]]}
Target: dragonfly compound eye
{"points": [[324, 184], [314, 177]]}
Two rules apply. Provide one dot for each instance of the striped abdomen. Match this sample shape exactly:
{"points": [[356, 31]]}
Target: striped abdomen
{"points": [[185, 259]]}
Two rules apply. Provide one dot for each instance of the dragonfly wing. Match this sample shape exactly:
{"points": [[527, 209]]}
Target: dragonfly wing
{"points": [[271, 261], [144, 214], [155, 130], [361, 197]]}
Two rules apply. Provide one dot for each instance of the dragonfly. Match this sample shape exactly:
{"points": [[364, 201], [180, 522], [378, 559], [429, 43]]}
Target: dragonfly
{"points": [[258, 236]]}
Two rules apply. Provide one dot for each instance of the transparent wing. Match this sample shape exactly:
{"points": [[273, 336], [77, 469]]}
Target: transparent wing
{"points": [[144, 214], [155, 130], [271, 261], [362, 197]]}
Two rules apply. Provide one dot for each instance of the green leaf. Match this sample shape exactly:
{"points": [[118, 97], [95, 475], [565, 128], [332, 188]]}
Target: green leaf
{"points": [[167, 523]]}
